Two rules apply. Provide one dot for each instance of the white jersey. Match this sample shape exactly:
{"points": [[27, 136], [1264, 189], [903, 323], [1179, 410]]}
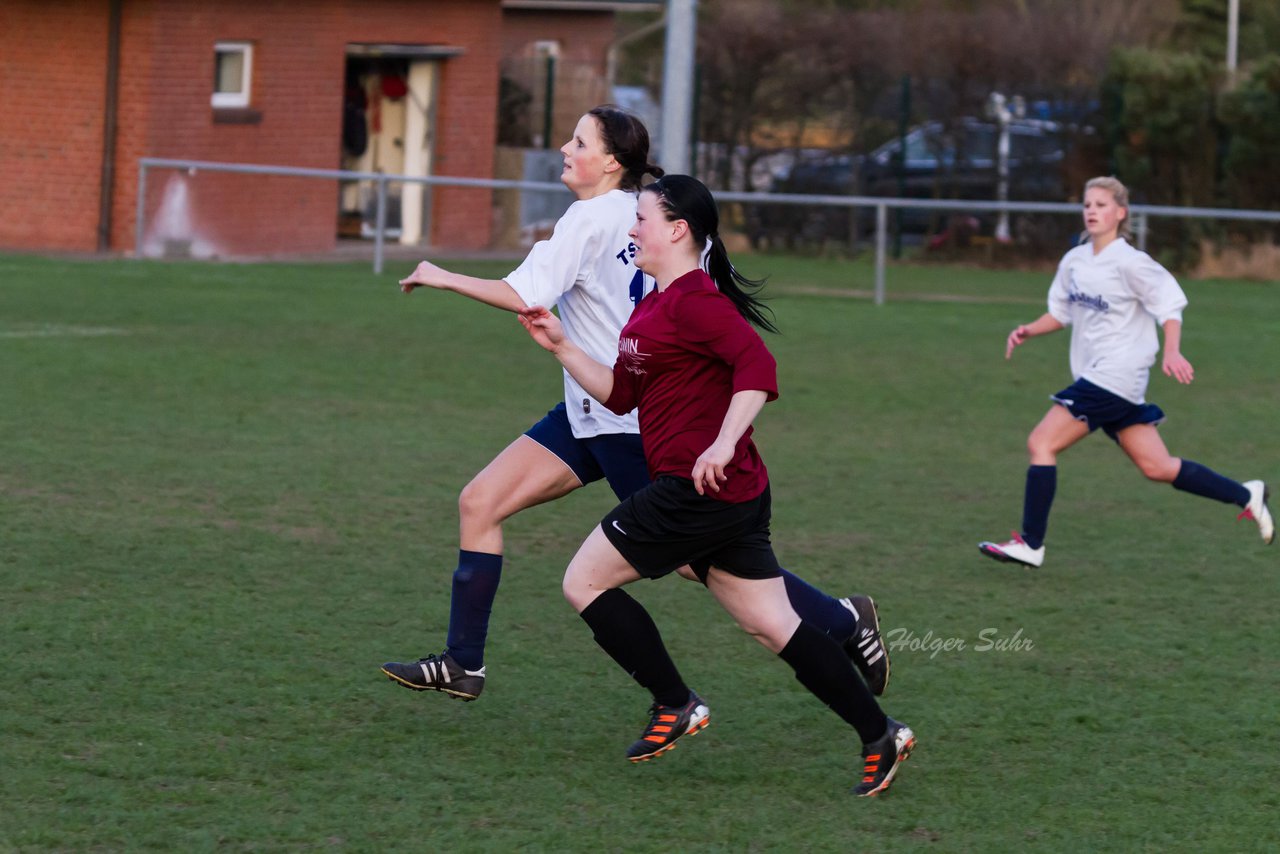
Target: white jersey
{"points": [[1113, 302], [586, 268]]}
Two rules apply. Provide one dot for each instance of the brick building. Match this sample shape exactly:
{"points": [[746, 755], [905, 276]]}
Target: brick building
{"points": [[88, 88]]}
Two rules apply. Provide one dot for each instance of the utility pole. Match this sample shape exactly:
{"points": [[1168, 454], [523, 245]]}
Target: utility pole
{"points": [[677, 85]]}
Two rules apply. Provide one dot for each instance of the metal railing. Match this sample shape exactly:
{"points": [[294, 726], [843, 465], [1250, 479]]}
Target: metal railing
{"points": [[1139, 213], [380, 179]]}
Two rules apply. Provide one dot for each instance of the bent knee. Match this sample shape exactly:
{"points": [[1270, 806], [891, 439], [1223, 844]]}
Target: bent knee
{"points": [[478, 501], [1161, 471], [1040, 447], [577, 592], [773, 634]]}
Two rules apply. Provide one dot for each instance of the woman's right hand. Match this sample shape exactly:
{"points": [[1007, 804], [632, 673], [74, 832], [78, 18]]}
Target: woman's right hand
{"points": [[425, 274], [1016, 337], [543, 327]]}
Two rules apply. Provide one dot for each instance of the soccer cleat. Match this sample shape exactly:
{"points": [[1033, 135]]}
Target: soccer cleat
{"points": [[437, 673], [1257, 510], [1014, 551], [668, 723], [865, 649], [882, 758]]}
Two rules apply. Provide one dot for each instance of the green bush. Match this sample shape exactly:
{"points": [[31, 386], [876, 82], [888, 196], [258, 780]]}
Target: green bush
{"points": [[1159, 107], [1250, 114]]}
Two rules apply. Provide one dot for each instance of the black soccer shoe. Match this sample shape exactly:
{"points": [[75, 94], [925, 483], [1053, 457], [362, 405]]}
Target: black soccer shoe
{"points": [[881, 759], [668, 723], [437, 673], [866, 649]]}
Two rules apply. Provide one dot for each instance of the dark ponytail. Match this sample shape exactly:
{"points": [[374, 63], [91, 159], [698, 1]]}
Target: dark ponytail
{"points": [[682, 197], [626, 138]]}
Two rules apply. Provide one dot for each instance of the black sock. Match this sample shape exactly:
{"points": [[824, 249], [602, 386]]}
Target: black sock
{"points": [[1207, 483], [1037, 499], [624, 629], [823, 668], [475, 586], [820, 609]]}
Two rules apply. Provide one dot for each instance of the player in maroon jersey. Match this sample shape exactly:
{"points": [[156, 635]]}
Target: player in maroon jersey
{"points": [[699, 373]]}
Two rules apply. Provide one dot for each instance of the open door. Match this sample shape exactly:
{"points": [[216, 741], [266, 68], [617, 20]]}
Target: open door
{"points": [[389, 127]]}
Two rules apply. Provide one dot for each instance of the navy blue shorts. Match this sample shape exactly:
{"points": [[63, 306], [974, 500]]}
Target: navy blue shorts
{"points": [[668, 524], [1098, 407], [616, 457]]}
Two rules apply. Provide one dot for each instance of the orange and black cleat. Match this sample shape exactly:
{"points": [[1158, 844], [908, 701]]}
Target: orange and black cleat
{"points": [[882, 758], [666, 725]]}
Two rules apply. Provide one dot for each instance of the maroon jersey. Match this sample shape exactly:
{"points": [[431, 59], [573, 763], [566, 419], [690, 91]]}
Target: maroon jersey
{"points": [[681, 357]]}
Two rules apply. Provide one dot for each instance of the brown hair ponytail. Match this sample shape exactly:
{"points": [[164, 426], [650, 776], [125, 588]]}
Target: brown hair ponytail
{"points": [[626, 138]]}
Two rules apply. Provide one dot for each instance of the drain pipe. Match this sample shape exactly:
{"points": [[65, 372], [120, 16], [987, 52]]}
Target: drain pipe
{"points": [[111, 107]]}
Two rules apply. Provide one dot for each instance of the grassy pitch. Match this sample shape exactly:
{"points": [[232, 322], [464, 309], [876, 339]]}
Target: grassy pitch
{"points": [[228, 493]]}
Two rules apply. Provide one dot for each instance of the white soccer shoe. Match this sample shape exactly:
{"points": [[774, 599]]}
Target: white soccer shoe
{"points": [[1257, 510], [1015, 551]]}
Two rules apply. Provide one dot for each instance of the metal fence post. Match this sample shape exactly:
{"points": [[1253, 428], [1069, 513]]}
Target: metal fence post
{"points": [[882, 227], [380, 224], [139, 230], [1140, 227]]}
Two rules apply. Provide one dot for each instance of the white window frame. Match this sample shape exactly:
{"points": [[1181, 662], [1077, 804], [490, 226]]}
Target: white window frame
{"points": [[240, 98]]}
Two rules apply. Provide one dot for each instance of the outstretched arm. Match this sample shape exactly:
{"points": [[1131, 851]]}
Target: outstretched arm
{"points": [[1042, 325], [1175, 364], [708, 471], [544, 327], [493, 292]]}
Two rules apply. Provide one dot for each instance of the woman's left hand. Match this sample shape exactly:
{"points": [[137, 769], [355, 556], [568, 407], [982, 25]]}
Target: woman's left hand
{"points": [[708, 471], [1176, 366]]}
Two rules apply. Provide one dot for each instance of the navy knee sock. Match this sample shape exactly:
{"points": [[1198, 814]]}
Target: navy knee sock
{"points": [[1207, 483], [624, 629], [1037, 500], [819, 609], [826, 671], [475, 585]]}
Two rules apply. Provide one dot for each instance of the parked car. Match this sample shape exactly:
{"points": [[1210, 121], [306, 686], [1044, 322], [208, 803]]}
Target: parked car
{"points": [[940, 162]]}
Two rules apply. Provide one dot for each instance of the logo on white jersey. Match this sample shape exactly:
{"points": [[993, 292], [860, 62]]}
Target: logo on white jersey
{"points": [[627, 254], [1093, 301]]}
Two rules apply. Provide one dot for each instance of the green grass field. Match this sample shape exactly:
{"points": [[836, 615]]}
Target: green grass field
{"points": [[228, 493]]}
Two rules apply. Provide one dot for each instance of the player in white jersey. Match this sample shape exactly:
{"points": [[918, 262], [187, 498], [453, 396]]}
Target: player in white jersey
{"points": [[1113, 296], [586, 269]]}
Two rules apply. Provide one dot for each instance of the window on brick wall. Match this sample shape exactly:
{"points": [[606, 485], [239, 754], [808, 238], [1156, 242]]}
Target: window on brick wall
{"points": [[232, 74]]}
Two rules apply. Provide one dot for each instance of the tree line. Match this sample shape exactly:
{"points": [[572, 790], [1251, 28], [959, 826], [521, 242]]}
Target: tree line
{"points": [[1142, 84]]}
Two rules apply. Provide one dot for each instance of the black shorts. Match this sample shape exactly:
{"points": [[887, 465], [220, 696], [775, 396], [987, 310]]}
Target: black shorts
{"points": [[1097, 407], [668, 524]]}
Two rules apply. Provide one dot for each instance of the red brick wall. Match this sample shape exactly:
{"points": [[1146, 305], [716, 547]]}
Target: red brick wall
{"points": [[165, 84], [584, 37], [52, 62]]}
